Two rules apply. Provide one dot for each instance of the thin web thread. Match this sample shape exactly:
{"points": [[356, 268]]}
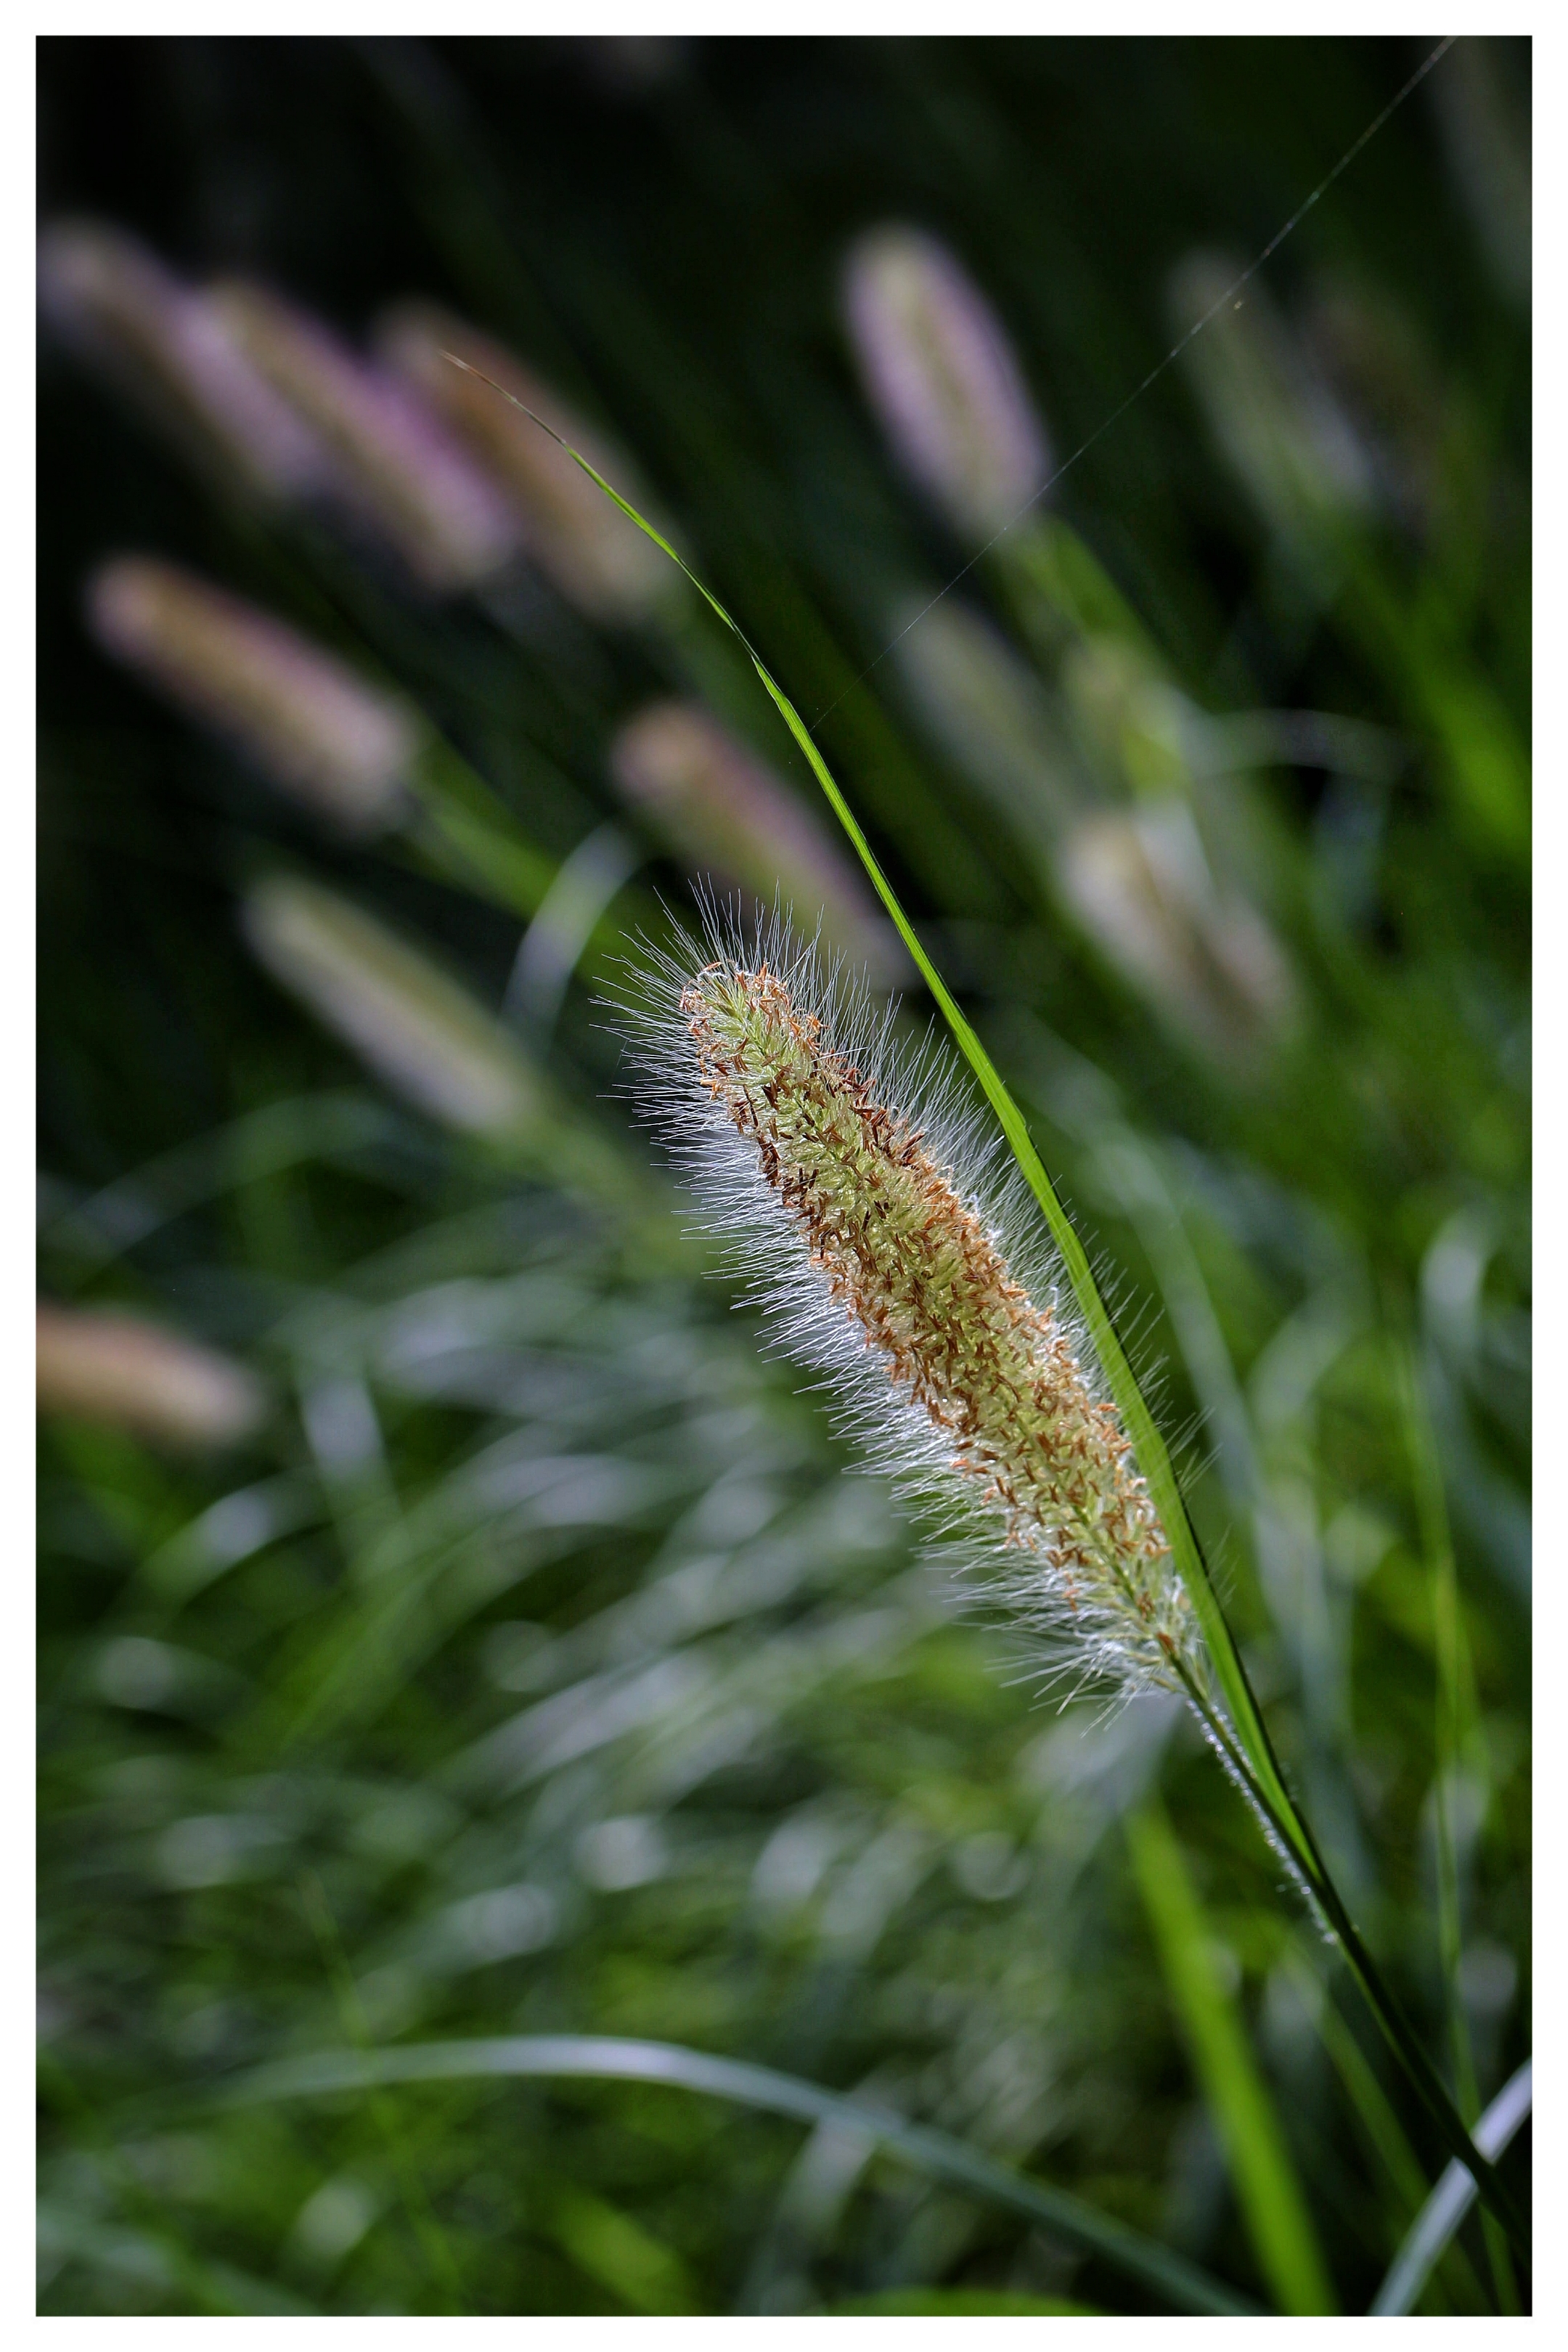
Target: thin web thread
{"points": [[1174, 353]]}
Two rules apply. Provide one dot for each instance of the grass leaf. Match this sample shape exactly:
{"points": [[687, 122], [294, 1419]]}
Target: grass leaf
{"points": [[1270, 2197]]}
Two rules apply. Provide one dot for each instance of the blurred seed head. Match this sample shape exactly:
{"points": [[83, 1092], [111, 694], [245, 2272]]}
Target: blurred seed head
{"points": [[314, 728], [1285, 435], [131, 1374], [592, 552], [944, 379], [422, 1034], [992, 718], [398, 466], [1371, 354], [1203, 958], [721, 808], [117, 304]]}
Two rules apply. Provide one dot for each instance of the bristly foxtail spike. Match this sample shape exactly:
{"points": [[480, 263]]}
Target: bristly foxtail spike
{"points": [[869, 1215]]}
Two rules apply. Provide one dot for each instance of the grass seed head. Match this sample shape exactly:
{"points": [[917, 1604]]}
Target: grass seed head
{"points": [[944, 379], [1198, 951], [721, 807], [117, 305], [312, 725], [124, 1373], [1286, 436], [418, 1030], [871, 1220], [588, 550], [396, 465]]}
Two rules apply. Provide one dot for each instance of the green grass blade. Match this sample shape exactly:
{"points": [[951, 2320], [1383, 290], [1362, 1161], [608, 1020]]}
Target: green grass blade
{"points": [[427, 2230], [97, 1231], [464, 833], [1270, 2194], [1181, 2285], [1455, 1725], [1362, 2087], [619, 2254]]}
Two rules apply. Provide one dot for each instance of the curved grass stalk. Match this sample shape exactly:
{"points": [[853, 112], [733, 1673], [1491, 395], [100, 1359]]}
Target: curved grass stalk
{"points": [[1239, 1735], [609, 2058]]}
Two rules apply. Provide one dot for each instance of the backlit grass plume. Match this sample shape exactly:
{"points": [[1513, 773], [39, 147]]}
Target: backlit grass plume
{"points": [[870, 1216]]}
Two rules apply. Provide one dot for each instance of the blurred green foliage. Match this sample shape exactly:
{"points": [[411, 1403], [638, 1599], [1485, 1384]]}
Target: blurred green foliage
{"points": [[543, 1667]]}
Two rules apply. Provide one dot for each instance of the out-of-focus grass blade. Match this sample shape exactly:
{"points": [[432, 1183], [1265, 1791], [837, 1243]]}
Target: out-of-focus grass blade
{"points": [[1376, 2115], [1455, 1725], [1456, 1743], [465, 833], [1451, 2200], [619, 2254], [142, 2260], [1270, 2194], [279, 1136], [1362, 2087], [1181, 2285], [1243, 1740]]}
